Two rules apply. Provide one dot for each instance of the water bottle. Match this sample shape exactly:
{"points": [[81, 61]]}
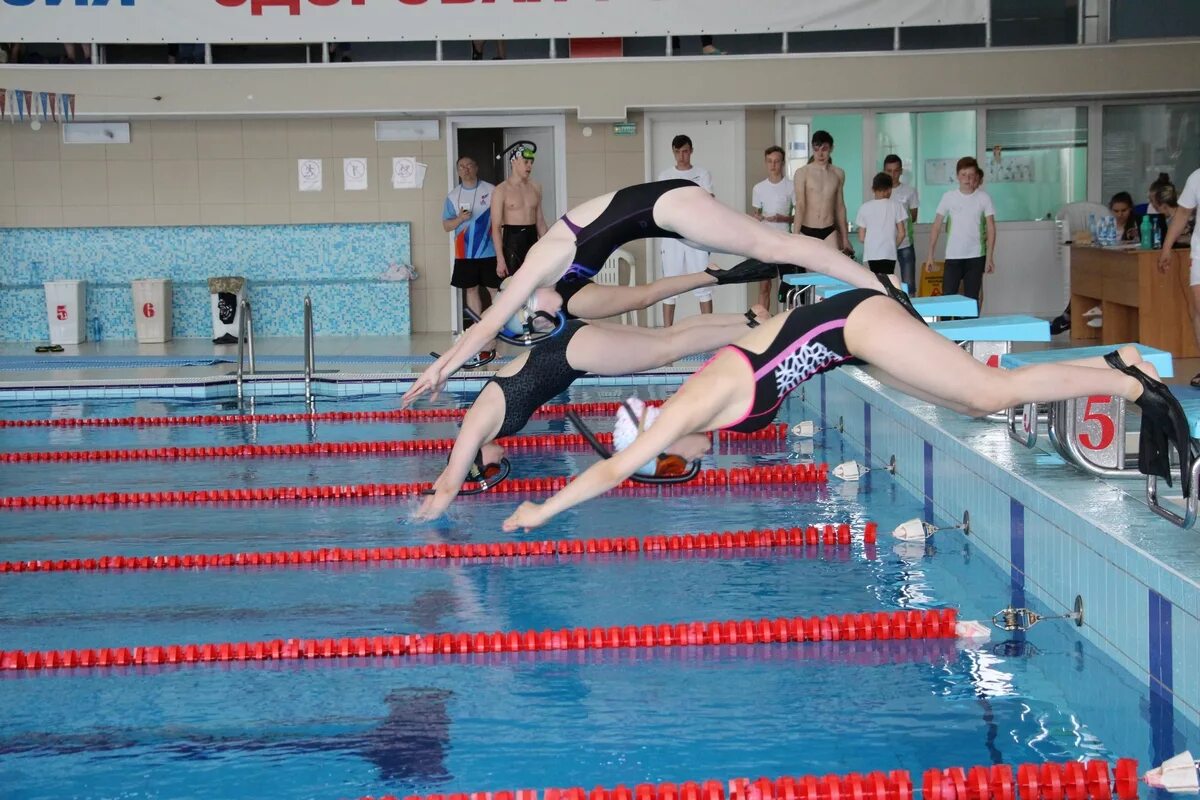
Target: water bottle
{"points": [[1110, 231], [1146, 236], [1158, 236], [1092, 227]]}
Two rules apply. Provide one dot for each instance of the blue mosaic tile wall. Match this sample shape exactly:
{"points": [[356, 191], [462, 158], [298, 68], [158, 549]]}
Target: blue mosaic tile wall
{"points": [[336, 264]]}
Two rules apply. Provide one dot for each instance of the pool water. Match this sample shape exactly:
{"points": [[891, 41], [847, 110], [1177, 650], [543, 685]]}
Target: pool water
{"points": [[414, 725]]}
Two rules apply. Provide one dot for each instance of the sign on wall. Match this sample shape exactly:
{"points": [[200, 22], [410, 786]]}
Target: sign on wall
{"points": [[216, 21]]}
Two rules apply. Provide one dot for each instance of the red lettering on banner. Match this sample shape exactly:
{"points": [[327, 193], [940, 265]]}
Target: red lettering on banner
{"points": [[293, 6]]}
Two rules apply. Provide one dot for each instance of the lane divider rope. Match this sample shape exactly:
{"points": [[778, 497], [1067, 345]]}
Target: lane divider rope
{"points": [[1070, 780], [390, 415], [556, 441], [776, 474], [688, 543], [909, 624]]}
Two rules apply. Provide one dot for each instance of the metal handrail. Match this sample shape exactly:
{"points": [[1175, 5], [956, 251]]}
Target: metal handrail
{"points": [[245, 344], [309, 349]]}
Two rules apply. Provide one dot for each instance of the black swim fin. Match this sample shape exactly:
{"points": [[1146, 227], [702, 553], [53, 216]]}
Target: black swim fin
{"points": [[896, 293], [748, 271], [1164, 424]]}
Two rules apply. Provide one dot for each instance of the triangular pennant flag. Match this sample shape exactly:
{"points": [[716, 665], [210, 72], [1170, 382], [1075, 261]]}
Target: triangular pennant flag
{"points": [[3, 102], [45, 98], [71, 113], [20, 105], [54, 101]]}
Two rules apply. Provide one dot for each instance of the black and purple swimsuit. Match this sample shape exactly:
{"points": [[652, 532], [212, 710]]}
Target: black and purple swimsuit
{"points": [[628, 217]]}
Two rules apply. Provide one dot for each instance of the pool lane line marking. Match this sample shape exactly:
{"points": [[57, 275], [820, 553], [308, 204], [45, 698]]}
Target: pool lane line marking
{"points": [[905, 624], [831, 536]]}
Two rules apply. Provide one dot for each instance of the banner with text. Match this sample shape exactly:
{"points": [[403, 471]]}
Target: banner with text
{"points": [[218, 21]]}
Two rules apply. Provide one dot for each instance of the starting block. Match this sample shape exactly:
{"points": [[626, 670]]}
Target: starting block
{"points": [[990, 338], [1089, 432]]}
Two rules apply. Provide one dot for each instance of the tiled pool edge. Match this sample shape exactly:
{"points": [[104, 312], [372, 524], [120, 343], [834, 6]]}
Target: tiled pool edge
{"points": [[1140, 611]]}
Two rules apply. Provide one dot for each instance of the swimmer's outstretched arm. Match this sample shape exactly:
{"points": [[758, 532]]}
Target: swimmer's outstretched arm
{"points": [[540, 269], [480, 425], [674, 422]]}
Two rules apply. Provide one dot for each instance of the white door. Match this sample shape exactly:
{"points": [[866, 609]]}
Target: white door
{"points": [[718, 143], [544, 166]]}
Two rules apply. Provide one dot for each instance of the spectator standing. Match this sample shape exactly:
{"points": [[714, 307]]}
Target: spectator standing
{"points": [[468, 213], [969, 216], [905, 195], [772, 201], [1186, 203], [678, 258], [820, 206], [881, 226]]}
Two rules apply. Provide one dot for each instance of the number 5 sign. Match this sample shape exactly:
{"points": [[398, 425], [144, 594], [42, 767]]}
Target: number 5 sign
{"points": [[1099, 429]]}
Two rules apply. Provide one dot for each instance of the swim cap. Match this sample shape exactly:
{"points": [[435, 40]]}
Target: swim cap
{"points": [[626, 428]]}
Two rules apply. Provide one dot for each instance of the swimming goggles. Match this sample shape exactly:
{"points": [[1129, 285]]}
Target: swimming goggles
{"points": [[484, 476], [669, 468], [523, 148], [530, 335]]}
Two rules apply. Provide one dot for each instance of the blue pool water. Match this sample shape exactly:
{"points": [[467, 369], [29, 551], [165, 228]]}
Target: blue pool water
{"points": [[350, 727]]}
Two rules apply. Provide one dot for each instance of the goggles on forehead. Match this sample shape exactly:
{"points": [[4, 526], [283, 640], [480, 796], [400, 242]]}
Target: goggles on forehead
{"points": [[668, 467], [522, 149]]}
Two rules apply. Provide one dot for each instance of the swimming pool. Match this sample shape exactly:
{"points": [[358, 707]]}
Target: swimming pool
{"points": [[419, 724]]}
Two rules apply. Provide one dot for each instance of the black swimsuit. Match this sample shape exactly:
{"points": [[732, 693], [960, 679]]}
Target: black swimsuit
{"points": [[629, 216], [811, 341], [568, 288], [545, 375]]}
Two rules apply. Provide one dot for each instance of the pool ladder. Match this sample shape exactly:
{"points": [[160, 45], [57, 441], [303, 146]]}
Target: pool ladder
{"points": [[246, 347]]}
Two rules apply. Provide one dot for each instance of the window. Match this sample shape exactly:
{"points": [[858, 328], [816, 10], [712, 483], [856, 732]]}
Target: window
{"points": [[1035, 161], [1140, 141], [929, 143]]}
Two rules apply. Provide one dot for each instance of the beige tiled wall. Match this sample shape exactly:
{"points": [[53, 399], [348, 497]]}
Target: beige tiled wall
{"points": [[233, 172]]}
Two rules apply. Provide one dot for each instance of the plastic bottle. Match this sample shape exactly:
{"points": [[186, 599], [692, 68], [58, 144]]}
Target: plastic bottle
{"points": [[1092, 227], [1147, 238], [1158, 237]]}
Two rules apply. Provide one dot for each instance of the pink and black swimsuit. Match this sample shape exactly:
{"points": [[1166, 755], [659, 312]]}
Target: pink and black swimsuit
{"points": [[811, 341]]}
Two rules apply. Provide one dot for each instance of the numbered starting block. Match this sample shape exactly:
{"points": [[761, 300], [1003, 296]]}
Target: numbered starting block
{"points": [[1190, 504], [990, 338], [1089, 432]]}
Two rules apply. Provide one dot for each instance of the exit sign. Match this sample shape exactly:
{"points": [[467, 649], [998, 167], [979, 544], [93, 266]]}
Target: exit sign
{"points": [[624, 129]]}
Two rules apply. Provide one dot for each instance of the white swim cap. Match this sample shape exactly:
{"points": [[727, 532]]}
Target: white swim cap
{"points": [[626, 429]]}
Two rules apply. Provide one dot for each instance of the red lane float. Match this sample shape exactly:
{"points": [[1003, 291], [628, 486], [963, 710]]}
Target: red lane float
{"points": [[773, 475], [930, 624], [877, 785], [683, 544], [557, 441], [392, 415]]}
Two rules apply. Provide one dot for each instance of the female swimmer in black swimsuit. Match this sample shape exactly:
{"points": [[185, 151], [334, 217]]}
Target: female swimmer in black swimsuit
{"points": [[577, 246], [743, 386], [523, 385]]}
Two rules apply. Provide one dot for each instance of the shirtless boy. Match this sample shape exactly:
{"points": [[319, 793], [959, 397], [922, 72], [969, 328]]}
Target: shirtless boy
{"points": [[517, 221], [820, 207]]}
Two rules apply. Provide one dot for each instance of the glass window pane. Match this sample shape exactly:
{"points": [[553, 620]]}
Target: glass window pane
{"points": [[1141, 141], [796, 144], [929, 143], [1035, 161]]}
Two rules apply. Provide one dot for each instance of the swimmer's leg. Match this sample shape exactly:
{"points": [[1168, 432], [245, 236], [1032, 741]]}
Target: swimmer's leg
{"points": [[882, 333], [621, 349], [597, 302], [699, 217]]}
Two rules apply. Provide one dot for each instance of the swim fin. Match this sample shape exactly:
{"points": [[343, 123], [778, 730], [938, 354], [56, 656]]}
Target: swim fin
{"points": [[748, 271], [896, 293], [1164, 424]]}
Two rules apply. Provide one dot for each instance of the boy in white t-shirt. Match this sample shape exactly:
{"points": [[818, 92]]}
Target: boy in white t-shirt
{"points": [[772, 201], [1189, 201], [906, 195], [968, 211], [881, 226], [676, 257]]}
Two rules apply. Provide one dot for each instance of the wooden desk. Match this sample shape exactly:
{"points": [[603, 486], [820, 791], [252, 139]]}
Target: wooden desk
{"points": [[1140, 304]]}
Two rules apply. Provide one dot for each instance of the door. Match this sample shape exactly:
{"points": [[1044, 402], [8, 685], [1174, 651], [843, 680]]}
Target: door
{"points": [[544, 166], [714, 137]]}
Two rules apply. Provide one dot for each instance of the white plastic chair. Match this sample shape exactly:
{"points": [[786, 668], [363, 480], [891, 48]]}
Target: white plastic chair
{"points": [[610, 275], [1074, 217]]}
